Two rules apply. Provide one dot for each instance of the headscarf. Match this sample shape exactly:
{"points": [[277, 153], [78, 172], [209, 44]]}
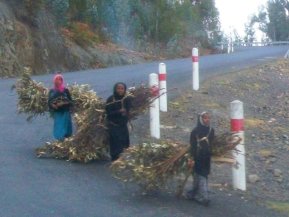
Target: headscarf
{"points": [[201, 117], [201, 127], [115, 94], [61, 88]]}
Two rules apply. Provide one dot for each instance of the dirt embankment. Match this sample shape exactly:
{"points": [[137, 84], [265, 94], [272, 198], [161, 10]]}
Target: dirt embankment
{"points": [[37, 42], [30, 36], [265, 92]]}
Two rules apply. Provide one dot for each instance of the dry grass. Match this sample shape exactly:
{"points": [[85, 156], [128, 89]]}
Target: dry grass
{"points": [[212, 105], [279, 206], [253, 123]]}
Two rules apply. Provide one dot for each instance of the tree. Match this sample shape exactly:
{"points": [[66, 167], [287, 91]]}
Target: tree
{"points": [[134, 23], [249, 33], [237, 38], [273, 20], [59, 8]]}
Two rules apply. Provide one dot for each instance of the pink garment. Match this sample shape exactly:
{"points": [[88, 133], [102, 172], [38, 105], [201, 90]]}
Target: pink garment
{"points": [[61, 88]]}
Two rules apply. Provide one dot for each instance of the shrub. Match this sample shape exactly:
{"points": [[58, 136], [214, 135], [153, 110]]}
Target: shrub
{"points": [[33, 6], [81, 33], [59, 9]]}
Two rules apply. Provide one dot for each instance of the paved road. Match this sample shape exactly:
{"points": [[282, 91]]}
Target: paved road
{"points": [[31, 187]]}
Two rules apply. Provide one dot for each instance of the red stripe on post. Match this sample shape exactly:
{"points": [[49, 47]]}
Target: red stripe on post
{"points": [[195, 59], [237, 125], [162, 77]]}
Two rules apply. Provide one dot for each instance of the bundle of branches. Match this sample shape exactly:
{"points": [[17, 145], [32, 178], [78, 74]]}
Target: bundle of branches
{"points": [[32, 96], [87, 144], [84, 98], [90, 140], [141, 100], [152, 165], [224, 144]]}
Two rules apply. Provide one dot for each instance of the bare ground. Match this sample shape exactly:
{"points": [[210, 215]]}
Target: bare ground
{"points": [[264, 91]]}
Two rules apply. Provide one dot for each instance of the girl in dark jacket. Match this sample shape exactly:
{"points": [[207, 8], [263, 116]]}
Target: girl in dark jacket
{"points": [[201, 140], [117, 109], [60, 102]]}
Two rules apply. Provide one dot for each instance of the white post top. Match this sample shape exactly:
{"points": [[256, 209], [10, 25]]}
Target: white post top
{"points": [[237, 101], [195, 51], [153, 80], [236, 110], [162, 68]]}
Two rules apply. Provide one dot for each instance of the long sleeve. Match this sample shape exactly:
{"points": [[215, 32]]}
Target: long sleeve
{"points": [[50, 99], [55, 96], [68, 95], [114, 113], [193, 143], [127, 105], [211, 139], [111, 108]]}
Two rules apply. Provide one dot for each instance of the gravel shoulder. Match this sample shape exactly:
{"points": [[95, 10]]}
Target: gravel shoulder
{"points": [[264, 91]]}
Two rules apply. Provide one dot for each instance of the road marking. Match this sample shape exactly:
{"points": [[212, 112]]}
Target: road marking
{"points": [[266, 58], [270, 57], [286, 54]]}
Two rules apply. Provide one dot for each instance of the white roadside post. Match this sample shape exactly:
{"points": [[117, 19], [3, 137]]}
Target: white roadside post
{"points": [[195, 60], [228, 48], [163, 87], [155, 106], [232, 47], [237, 127]]}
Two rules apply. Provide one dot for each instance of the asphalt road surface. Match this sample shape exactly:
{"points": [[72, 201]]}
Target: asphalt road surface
{"points": [[31, 187]]}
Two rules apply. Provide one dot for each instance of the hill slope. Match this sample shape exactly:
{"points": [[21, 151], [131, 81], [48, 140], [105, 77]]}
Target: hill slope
{"points": [[41, 45]]}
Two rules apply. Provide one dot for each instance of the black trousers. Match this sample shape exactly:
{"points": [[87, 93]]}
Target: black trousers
{"points": [[118, 140]]}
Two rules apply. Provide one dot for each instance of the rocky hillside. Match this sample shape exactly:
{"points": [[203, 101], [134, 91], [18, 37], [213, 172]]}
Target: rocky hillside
{"points": [[69, 35], [37, 42]]}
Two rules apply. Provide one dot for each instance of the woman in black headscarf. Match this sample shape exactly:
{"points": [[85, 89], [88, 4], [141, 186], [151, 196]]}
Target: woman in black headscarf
{"points": [[201, 151], [117, 109]]}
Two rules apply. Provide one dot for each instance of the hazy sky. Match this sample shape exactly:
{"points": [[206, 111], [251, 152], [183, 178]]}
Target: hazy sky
{"points": [[235, 13]]}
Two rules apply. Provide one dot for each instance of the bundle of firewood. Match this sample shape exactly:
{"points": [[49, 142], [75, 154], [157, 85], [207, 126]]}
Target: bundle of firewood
{"points": [[90, 139], [32, 96], [152, 166]]}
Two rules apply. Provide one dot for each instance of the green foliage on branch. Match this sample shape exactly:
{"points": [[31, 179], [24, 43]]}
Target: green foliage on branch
{"points": [[59, 8], [273, 20]]}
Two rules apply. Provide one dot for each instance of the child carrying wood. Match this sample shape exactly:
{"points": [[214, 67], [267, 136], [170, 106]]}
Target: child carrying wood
{"points": [[201, 151]]}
